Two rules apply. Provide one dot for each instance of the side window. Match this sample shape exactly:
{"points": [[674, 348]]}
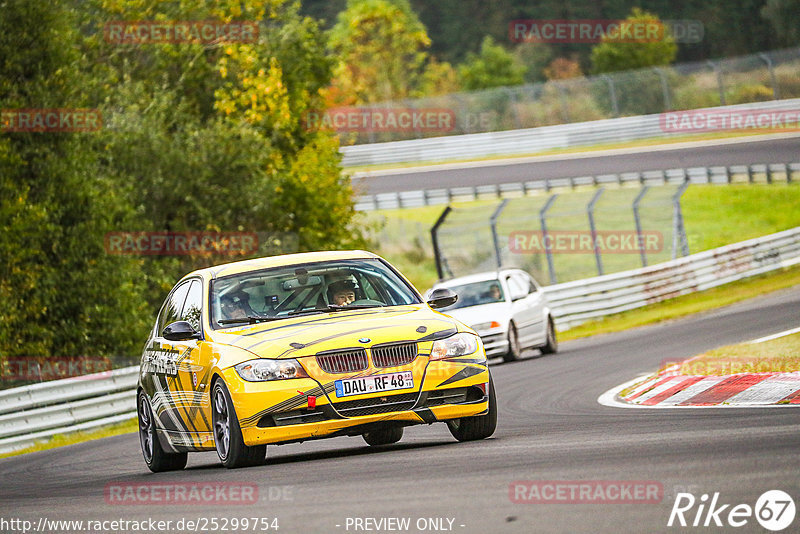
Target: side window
{"points": [[529, 283], [193, 305], [171, 311]]}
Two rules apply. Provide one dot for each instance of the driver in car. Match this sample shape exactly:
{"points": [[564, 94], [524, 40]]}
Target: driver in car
{"points": [[342, 292], [233, 307]]}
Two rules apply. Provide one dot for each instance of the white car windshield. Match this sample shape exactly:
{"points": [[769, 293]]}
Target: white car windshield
{"points": [[281, 292], [477, 293]]}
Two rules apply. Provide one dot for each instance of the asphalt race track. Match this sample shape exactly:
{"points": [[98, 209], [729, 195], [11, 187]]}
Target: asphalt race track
{"points": [[550, 428], [746, 152]]}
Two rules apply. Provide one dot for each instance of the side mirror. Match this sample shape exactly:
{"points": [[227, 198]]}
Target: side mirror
{"points": [[180, 331], [442, 298], [517, 296]]}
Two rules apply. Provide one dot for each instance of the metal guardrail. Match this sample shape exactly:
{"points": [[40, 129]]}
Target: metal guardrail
{"points": [[39, 411], [532, 140], [581, 300], [756, 173]]}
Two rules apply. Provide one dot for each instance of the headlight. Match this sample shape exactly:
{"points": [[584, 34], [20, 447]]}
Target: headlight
{"points": [[457, 345], [485, 326], [262, 370]]}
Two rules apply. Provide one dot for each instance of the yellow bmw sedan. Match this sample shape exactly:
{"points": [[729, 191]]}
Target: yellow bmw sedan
{"points": [[305, 346]]}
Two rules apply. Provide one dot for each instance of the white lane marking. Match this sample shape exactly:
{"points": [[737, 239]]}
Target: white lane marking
{"points": [[609, 398], [569, 155], [696, 388], [767, 391], [776, 336]]}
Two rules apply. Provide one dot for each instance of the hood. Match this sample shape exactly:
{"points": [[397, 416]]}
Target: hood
{"points": [[310, 334], [483, 313]]}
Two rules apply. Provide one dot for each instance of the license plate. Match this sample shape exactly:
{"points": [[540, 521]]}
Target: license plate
{"points": [[373, 384]]}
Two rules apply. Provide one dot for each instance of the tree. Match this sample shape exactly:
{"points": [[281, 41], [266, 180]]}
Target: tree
{"points": [[492, 67], [62, 294], [784, 15], [614, 55], [195, 137], [381, 49]]}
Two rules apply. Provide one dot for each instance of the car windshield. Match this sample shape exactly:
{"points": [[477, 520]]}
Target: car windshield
{"points": [[281, 292], [476, 293]]}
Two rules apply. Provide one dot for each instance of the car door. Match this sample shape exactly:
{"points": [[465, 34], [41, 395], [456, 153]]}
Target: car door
{"points": [[159, 369], [536, 303], [191, 384], [525, 308]]}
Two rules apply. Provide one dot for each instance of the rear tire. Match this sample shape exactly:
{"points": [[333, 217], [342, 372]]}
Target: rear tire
{"points": [[514, 348], [155, 457], [551, 346], [477, 427], [384, 436], [232, 451]]}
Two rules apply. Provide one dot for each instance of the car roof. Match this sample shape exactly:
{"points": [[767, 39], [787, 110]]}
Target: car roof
{"points": [[477, 277], [255, 264]]}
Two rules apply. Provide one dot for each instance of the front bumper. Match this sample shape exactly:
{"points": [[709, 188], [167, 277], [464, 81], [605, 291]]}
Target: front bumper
{"points": [[495, 343], [281, 412]]}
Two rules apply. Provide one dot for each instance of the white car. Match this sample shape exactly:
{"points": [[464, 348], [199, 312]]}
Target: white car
{"points": [[508, 310]]}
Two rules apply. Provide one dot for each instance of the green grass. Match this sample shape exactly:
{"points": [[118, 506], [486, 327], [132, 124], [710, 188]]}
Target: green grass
{"points": [[60, 440], [689, 304], [781, 355], [720, 215]]}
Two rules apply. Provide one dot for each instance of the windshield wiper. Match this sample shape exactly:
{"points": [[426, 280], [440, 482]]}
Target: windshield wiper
{"points": [[334, 308], [250, 319]]}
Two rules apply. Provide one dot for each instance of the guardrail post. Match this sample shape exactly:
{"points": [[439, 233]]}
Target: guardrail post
{"points": [[638, 221], [664, 89], [593, 229], [437, 255], [776, 93], [564, 106], [720, 86], [495, 240], [547, 249], [612, 93], [678, 230]]}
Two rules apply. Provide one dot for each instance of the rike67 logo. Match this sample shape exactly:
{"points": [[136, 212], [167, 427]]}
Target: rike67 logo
{"points": [[774, 510]]}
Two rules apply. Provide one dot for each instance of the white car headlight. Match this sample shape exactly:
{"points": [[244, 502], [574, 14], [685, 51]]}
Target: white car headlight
{"points": [[261, 370], [458, 345], [481, 327]]}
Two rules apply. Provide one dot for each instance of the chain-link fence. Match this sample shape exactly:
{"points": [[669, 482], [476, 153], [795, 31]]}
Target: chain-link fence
{"points": [[563, 237], [753, 78]]}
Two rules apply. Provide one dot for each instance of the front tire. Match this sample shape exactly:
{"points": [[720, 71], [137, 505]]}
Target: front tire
{"points": [[551, 346], [232, 451], [155, 457], [514, 347], [477, 427], [384, 436]]}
